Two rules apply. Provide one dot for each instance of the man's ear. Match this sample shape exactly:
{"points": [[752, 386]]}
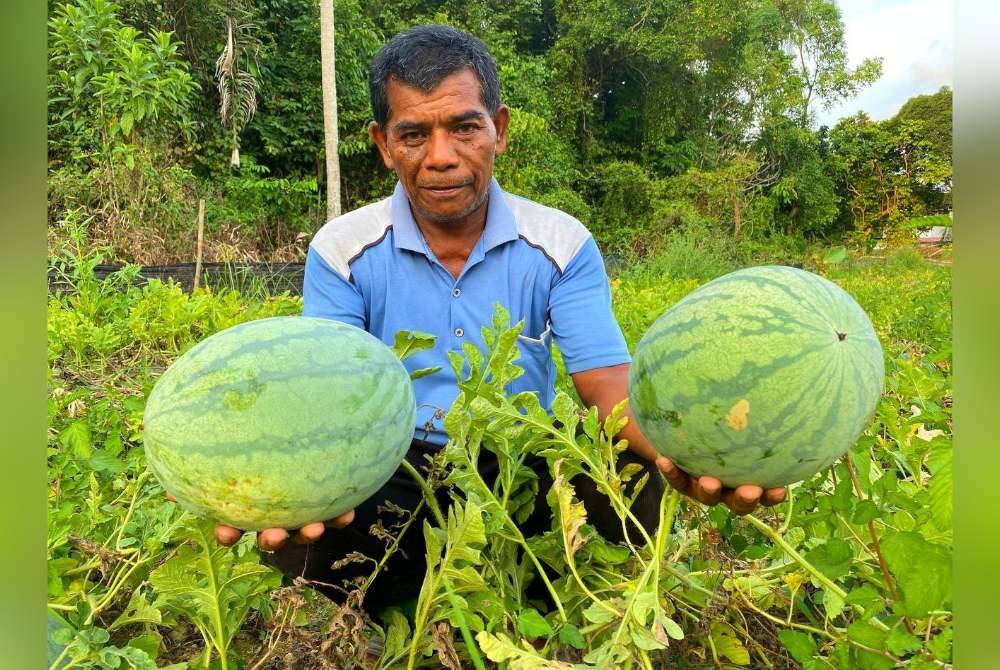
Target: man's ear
{"points": [[381, 141], [501, 120]]}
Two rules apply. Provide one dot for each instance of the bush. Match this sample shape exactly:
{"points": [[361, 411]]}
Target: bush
{"points": [[153, 223], [625, 195], [535, 161], [268, 207]]}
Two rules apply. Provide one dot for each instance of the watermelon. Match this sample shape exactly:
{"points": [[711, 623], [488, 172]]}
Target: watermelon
{"points": [[763, 376], [56, 649], [279, 422]]}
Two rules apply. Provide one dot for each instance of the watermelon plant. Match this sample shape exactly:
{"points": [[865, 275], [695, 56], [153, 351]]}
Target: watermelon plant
{"points": [[763, 376], [852, 572], [279, 422]]}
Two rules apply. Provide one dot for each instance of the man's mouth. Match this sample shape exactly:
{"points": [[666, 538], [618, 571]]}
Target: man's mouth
{"points": [[444, 189]]}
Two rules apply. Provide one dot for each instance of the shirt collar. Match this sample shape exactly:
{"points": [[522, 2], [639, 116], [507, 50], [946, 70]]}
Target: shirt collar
{"points": [[500, 224]]}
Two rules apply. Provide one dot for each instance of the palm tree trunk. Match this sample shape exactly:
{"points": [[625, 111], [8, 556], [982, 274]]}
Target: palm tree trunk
{"points": [[326, 13]]}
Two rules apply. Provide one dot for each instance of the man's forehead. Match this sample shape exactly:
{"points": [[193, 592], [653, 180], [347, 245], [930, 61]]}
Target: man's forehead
{"points": [[464, 75], [464, 84]]}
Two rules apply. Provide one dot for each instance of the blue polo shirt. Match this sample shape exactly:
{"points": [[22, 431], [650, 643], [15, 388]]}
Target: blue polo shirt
{"points": [[373, 269]]}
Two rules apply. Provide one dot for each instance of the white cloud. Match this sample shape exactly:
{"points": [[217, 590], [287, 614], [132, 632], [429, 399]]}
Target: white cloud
{"points": [[914, 38]]}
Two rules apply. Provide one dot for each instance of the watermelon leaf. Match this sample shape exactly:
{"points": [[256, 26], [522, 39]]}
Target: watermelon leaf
{"points": [[940, 488], [498, 647], [922, 570], [570, 634], [410, 342], [209, 585], [800, 645], [533, 625], [728, 645]]}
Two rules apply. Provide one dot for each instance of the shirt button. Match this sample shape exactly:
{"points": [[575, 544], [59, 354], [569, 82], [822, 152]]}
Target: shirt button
{"points": [[459, 332], [457, 292]]}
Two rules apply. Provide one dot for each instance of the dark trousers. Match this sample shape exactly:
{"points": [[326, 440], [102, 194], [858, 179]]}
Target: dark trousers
{"points": [[400, 579]]}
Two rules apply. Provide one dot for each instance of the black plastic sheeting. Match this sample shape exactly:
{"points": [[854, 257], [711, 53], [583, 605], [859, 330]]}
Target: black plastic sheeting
{"points": [[275, 278]]}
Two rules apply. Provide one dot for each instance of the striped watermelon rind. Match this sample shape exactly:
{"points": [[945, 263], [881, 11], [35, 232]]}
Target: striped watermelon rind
{"points": [[279, 422], [763, 376]]}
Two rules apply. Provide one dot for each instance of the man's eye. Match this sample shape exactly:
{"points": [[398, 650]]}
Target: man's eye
{"points": [[467, 128], [410, 137]]}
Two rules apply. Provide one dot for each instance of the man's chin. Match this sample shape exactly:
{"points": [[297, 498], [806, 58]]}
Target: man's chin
{"points": [[449, 216]]}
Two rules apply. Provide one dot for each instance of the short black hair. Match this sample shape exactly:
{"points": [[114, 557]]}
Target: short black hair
{"points": [[423, 56]]}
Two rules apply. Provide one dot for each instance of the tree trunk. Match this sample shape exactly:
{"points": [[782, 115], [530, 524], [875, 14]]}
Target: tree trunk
{"points": [[326, 13], [737, 216]]}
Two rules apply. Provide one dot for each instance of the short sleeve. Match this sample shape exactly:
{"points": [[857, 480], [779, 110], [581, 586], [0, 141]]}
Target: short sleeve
{"points": [[583, 324], [327, 294]]}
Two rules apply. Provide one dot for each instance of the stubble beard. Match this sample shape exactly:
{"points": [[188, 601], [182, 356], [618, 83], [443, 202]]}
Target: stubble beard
{"points": [[457, 221]]}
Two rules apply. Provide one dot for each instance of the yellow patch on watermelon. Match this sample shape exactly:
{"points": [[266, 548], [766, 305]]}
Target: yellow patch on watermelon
{"points": [[737, 417]]}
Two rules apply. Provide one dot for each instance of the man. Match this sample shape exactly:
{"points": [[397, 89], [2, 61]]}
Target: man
{"points": [[435, 257]]}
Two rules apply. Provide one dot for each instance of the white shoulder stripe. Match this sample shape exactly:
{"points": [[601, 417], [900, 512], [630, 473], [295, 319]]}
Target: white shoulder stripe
{"points": [[555, 233], [340, 241]]}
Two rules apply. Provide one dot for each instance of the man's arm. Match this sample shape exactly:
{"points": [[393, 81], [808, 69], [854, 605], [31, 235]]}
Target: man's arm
{"points": [[606, 387], [329, 295]]}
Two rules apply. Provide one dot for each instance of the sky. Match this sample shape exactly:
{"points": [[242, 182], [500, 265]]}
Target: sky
{"points": [[915, 39]]}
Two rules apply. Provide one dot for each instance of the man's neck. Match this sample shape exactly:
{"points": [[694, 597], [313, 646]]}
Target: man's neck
{"points": [[452, 243]]}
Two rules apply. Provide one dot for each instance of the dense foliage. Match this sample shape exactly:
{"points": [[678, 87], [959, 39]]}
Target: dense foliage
{"points": [[636, 117]]}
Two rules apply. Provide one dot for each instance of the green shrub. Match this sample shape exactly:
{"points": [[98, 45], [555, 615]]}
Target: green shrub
{"points": [[267, 206]]}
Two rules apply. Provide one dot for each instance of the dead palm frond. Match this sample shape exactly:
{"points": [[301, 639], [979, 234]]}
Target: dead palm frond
{"points": [[238, 86]]}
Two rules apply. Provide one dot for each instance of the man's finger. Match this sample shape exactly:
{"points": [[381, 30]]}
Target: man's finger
{"points": [[676, 477], [708, 490], [272, 539], [773, 496], [743, 499], [342, 520], [310, 532], [227, 534]]}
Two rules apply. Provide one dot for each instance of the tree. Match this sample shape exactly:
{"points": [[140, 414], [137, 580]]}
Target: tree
{"points": [[327, 44], [817, 44], [236, 74], [922, 139], [804, 196], [890, 171]]}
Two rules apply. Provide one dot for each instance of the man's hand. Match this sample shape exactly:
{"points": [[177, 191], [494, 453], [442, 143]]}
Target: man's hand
{"points": [[273, 539], [606, 387], [709, 490]]}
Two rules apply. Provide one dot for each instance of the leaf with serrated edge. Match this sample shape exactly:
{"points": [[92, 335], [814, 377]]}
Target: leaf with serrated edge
{"points": [[138, 610]]}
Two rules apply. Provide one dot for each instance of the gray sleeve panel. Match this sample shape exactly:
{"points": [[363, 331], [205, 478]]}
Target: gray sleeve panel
{"points": [[340, 241], [555, 233]]}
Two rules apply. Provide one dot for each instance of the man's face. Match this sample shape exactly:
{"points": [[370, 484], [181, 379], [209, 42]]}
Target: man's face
{"points": [[441, 145]]}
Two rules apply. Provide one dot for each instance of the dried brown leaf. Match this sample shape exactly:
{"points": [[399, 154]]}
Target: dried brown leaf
{"points": [[445, 645]]}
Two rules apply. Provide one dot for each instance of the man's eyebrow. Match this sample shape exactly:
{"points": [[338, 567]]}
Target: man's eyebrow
{"points": [[471, 115], [403, 126]]}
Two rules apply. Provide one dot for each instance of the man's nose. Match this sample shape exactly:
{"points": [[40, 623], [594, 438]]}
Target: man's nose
{"points": [[441, 154]]}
